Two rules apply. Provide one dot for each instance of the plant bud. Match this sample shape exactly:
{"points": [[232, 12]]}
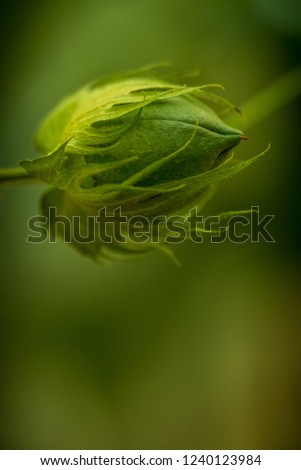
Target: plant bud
{"points": [[136, 143]]}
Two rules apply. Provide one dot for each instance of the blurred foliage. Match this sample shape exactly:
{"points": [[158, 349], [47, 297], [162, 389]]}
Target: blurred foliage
{"points": [[147, 355]]}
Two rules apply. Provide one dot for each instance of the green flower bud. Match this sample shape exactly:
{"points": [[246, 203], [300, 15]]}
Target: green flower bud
{"points": [[135, 142]]}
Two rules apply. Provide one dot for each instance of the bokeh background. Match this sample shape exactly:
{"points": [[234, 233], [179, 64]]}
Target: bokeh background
{"points": [[146, 355]]}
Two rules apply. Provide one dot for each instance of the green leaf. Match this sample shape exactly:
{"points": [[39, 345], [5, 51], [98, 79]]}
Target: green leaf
{"points": [[52, 128]]}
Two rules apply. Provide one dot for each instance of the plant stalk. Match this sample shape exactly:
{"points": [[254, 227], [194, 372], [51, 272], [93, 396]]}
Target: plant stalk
{"points": [[16, 175], [279, 93]]}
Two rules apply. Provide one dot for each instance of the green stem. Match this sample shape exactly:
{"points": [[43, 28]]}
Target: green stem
{"points": [[15, 176], [285, 89]]}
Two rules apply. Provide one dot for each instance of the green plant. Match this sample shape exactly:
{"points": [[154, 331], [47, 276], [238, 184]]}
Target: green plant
{"points": [[140, 143]]}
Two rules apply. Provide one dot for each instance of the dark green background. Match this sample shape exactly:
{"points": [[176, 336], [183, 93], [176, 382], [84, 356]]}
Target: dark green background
{"points": [[147, 355]]}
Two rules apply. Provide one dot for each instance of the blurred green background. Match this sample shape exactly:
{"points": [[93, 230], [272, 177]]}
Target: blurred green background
{"points": [[144, 355]]}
